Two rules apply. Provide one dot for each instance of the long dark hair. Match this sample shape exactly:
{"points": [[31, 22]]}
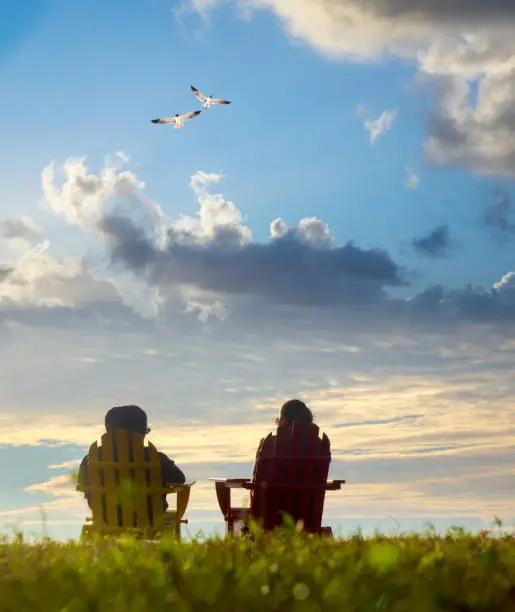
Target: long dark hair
{"points": [[295, 410]]}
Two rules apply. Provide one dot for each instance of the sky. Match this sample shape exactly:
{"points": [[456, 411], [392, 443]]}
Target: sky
{"points": [[342, 232]]}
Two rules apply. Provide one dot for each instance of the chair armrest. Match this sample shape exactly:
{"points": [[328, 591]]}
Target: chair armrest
{"points": [[334, 485], [293, 488], [177, 488], [230, 483], [223, 488]]}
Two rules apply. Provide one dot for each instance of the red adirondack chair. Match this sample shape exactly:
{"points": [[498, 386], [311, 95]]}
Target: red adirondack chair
{"points": [[290, 477]]}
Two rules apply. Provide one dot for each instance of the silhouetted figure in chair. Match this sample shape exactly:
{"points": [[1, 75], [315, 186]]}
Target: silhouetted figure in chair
{"points": [[292, 410], [134, 419]]}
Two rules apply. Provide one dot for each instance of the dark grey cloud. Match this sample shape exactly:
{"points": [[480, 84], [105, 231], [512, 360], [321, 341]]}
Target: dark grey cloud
{"points": [[5, 272], [499, 214], [104, 316], [436, 10], [283, 279], [286, 269], [473, 123], [469, 304], [298, 280], [435, 243], [19, 228]]}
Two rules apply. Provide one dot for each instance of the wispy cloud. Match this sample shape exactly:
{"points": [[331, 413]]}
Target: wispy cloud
{"points": [[381, 125], [434, 243], [58, 486], [23, 228], [65, 465], [500, 213], [411, 179]]}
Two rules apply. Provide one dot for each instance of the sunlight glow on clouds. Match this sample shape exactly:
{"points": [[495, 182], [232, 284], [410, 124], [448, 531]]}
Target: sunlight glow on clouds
{"points": [[422, 440]]}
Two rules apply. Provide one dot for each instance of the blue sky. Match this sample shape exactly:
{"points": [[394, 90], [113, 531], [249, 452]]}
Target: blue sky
{"points": [[289, 314]]}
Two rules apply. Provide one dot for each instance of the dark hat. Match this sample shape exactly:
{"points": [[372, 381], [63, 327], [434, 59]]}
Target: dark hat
{"points": [[130, 417]]}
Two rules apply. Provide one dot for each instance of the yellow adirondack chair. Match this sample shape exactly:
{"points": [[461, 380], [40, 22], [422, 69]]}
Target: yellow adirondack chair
{"points": [[126, 490]]}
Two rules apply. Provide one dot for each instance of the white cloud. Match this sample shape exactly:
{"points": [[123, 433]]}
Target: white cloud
{"points": [[117, 160], [38, 279], [82, 199], [218, 222], [507, 282], [90, 360], [310, 231], [411, 179], [65, 465], [58, 486], [377, 127]]}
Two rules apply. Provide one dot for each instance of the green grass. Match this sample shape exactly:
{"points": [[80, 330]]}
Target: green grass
{"points": [[282, 571]]}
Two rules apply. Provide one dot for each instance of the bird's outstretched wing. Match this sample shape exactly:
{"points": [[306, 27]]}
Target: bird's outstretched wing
{"points": [[165, 120], [220, 101], [189, 115], [199, 94]]}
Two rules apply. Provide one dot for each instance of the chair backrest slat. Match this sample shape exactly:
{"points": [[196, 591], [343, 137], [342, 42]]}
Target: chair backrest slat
{"points": [[307, 473], [264, 503], [292, 445], [111, 479], [321, 475], [142, 480], [156, 486], [127, 489]]}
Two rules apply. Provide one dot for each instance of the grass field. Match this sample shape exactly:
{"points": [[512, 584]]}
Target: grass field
{"points": [[282, 571]]}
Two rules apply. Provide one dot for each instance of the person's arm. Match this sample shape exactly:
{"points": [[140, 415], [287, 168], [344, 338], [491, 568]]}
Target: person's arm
{"points": [[258, 453], [171, 473], [82, 477]]}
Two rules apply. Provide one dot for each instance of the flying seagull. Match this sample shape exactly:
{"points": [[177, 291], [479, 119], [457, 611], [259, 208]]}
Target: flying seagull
{"points": [[178, 120], [208, 100]]}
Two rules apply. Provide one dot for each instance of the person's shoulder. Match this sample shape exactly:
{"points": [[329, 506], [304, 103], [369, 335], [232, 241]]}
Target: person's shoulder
{"points": [[164, 457], [267, 443]]}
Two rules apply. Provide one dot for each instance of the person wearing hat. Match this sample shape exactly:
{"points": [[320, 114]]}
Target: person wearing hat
{"points": [[134, 419]]}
